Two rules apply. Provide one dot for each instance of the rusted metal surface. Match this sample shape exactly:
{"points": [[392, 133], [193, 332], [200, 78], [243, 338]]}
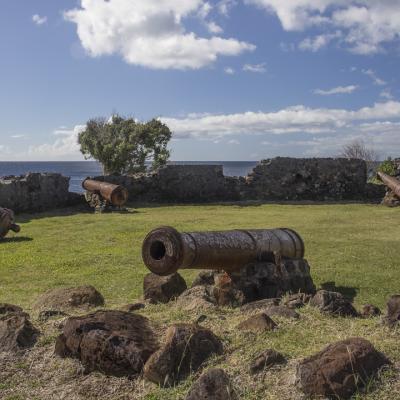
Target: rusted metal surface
{"points": [[7, 222], [392, 183], [165, 250], [116, 195]]}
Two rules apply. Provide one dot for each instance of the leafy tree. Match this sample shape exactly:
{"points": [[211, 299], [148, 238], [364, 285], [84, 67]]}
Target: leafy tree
{"points": [[388, 167], [123, 146]]}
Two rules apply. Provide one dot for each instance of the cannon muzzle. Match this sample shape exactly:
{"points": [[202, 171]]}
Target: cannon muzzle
{"points": [[165, 250], [392, 183], [116, 195]]}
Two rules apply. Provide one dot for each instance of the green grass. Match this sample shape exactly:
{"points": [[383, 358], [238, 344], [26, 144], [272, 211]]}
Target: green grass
{"points": [[353, 248]]}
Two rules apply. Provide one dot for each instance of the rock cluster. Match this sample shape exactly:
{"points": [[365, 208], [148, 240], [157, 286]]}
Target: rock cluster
{"points": [[333, 303]]}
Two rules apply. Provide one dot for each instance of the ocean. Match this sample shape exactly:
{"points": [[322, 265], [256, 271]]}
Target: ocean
{"points": [[79, 170]]}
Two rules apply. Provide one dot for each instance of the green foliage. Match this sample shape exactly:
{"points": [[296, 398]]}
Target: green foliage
{"points": [[123, 146], [388, 167]]}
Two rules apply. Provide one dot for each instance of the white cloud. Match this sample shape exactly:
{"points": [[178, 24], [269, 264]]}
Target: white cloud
{"points": [[386, 94], [213, 27], [229, 70], [150, 33], [260, 68], [18, 136], [38, 20], [336, 90], [318, 42], [224, 6], [367, 25], [372, 74], [233, 141]]}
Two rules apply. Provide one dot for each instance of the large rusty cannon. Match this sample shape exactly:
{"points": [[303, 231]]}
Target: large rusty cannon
{"points": [[165, 250], [7, 222], [104, 194], [392, 183]]}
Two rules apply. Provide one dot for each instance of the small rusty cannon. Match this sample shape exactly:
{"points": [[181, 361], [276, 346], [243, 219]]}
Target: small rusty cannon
{"points": [[165, 250], [392, 183], [104, 195], [7, 222]]}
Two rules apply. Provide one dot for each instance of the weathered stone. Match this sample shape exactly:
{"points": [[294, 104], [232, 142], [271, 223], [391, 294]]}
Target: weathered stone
{"points": [[113, 342], [205, 278], [257, 323], [66, 298], [162, 289], [45, 315], [369, 310], [267, 358], [186, 347], [281, 311], [16, 331], [133, 307], [214, 384], [392, 316], [227, 293], [297, 300], [333, 303], [260, 304], [9, 308], [198, 298], [339, 369]]}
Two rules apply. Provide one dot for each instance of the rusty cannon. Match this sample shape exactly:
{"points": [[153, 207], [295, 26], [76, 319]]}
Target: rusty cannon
{"points": [[104, 196], [246, 265], [391, 182], [7, 222]]}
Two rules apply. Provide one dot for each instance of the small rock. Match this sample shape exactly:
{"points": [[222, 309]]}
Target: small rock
{"points": [[297, 300], [186, 347], [267, 358], [205, 278], [201, 319], [214, 384], [340, 369], [196, 299], [45, 315], [6, 308], [16, 331], [333, 303], [392, 317], [260, 304], [67, 298], [281, 311], [113, 342], [133, 307], [257, 323], [369, 310], [162, 289]]}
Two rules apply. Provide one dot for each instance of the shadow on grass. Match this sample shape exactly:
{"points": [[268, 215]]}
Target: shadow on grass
{"points": [[347, 291], [16, 239]]}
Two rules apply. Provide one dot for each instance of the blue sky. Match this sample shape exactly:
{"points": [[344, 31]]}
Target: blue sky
{"points": [[234, 79]]}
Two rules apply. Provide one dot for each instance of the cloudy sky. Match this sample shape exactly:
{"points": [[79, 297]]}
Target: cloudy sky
{"points": [[233, 79]]}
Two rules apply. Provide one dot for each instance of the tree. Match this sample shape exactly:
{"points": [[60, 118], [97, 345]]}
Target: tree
{"points": [[123, 146], [358, 149]]}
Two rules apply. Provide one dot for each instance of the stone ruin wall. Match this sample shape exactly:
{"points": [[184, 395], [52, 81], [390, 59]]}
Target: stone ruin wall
{"points": [[35, 192], [278, 179]]}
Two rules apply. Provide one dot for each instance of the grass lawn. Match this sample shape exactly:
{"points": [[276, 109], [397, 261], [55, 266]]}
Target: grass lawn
{"points": [[353, 248]]}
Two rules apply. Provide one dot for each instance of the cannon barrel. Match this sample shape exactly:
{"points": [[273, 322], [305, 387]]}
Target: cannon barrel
{"points": [[165, 250], [7, 222], [391, 182], [117, 195]]}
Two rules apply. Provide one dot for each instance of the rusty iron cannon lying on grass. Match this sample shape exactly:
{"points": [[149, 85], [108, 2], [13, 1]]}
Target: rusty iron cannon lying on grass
{"points": [[259, 263], [392, 197], [7, 222], [104, 196]]}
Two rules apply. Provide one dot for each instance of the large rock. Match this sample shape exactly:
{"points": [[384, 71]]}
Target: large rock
{"points": [[162, 289], [333, 303], [260, 304], [257, 323], [266, 359], [392, 316], [214, 384], [281, 311], [197, 298], [67, 298], [113, 342], [339, 369], [16, 331], [186, 347]]}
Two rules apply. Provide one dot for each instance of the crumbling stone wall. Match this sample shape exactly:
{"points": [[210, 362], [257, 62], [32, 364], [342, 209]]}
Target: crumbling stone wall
{"points": [[35, 192], [281, 178]]}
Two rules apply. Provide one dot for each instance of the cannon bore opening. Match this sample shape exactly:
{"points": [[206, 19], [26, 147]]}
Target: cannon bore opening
{"points": [[157, 250]]}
